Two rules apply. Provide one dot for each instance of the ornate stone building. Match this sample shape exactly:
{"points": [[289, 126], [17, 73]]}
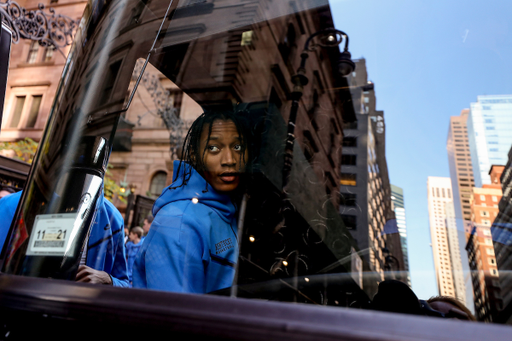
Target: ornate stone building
{"points": [[34, 74]]}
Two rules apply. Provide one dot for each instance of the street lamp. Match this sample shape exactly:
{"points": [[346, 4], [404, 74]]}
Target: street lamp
{"points": [[326, 38]]}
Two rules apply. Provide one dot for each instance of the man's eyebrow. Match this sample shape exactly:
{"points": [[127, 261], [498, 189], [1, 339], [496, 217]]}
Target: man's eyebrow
{"points": [[218, 137]]}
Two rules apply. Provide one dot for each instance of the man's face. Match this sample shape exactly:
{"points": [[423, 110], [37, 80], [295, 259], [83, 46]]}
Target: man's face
{"points": [[146, 226], [132, 237], [223, 157]]}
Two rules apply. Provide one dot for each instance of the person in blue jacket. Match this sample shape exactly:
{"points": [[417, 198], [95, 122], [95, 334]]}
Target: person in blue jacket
{"points": [[192, 244], [105, 257]]}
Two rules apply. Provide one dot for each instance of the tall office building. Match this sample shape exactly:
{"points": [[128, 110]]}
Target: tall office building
{"points": [[461, 174], [489, 127], [502, 238], [461, 168], [482, 260], [445, 244], [365, 192], [397, 198]]}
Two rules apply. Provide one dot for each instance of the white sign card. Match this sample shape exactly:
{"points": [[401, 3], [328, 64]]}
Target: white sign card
{"points": [[51, 234]]}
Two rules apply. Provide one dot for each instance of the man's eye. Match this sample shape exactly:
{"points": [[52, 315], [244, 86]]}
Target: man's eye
{"points": [[238, 147], [213, 148]]}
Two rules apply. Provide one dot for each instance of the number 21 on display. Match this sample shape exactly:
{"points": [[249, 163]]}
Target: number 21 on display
{"points": [[60, 234]]}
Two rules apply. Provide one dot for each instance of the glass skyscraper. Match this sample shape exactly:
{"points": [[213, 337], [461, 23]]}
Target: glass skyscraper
{"points": [[397, 198], [489, 127]]}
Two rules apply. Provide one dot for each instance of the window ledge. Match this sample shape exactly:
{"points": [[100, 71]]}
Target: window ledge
{"points": [[39, 64], [49, 306]]}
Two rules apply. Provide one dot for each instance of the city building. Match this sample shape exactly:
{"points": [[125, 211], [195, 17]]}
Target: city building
{"points": [[461, 174], [365, 191], [461, 168], [489, 125], [397, 199], [482, 260], [502, 237], [34, 74], [445, 243]]}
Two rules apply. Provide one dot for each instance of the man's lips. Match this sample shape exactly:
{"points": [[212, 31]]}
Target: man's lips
{"points": [[228, 177]]}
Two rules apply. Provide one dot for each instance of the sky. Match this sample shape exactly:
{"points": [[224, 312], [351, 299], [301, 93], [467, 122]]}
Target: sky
{"points": [[428, 60]]}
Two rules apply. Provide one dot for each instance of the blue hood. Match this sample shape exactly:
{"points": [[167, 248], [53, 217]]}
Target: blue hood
{"points": [[196, 187]]}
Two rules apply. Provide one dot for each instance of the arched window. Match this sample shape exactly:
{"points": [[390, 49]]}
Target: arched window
{"points": [[158, 184]]}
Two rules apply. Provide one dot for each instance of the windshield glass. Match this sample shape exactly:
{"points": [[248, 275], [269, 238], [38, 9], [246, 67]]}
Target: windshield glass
{"points": [[339, 153]]}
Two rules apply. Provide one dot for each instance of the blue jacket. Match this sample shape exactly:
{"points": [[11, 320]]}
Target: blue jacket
{"points": [[192, 244], [131, 251], [105, 249]]}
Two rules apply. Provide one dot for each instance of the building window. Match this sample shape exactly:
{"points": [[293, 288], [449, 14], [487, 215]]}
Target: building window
{"points": [[48, 53], [349, 141], [18, 109], [348, 199], [176, 95], [288, 47], [26, 111], [158, 184], [348, 159], [348, 179], [32, 52], [350, 221], [349, 125], [34, 111], [247, 38]]}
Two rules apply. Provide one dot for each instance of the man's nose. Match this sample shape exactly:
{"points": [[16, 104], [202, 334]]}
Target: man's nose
{"points": [[228, 158]]}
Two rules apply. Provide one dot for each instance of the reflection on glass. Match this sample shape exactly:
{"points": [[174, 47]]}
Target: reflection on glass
{"points": [[335, 194]]}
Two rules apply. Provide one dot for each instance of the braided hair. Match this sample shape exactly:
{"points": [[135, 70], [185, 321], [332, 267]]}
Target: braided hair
{"points": [[191, 153]]}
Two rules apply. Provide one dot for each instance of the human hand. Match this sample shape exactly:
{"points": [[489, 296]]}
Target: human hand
{"points": [[89, 275]]}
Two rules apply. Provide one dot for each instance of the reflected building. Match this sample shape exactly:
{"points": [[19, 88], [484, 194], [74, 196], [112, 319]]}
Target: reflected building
{"points": [[247, 60], [397, 198], [502, 237], [195, 61], [365, 191], [445, 243], [34, 74], [481, 255], [489, 126]]}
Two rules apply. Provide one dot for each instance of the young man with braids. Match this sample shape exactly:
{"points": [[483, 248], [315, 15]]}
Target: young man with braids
{"points": [[192, 244]]}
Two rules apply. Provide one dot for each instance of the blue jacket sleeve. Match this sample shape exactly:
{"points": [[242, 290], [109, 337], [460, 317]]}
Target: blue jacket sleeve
{"points": [[109, 257], [117, 268], [8, 206], [173, 256]]}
